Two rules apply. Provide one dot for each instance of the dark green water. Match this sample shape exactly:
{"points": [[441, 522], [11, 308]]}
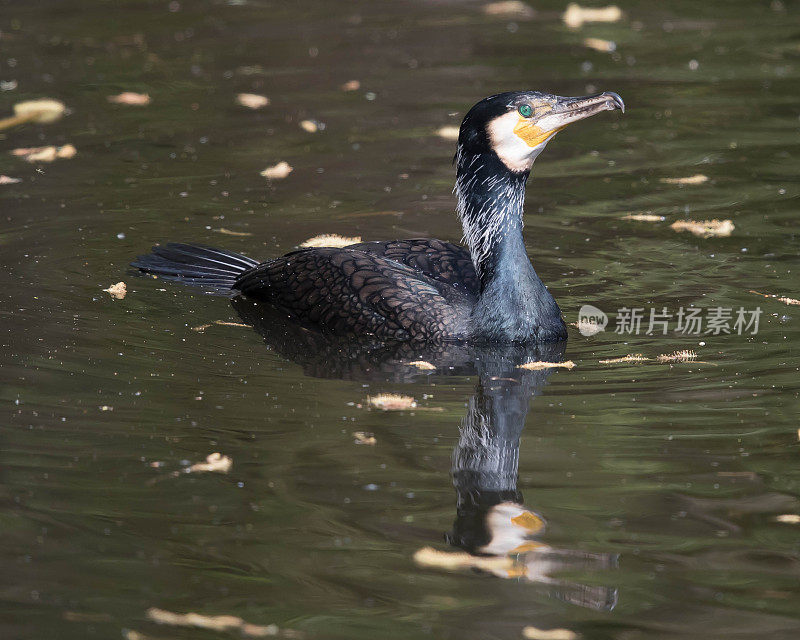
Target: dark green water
{"points": [[660, 484]]}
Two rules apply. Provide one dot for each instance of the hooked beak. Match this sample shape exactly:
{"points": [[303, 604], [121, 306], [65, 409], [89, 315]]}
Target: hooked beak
{"points": [[569, 110]]}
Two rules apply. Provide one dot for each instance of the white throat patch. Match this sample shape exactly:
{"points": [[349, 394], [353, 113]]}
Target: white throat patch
{"points": [[512, 150]]}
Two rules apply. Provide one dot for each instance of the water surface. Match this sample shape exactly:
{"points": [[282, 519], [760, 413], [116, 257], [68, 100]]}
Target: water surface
{"points": [[659, 484]]}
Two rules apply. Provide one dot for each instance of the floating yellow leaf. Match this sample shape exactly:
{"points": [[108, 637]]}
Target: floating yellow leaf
{"points": [[643, 217], [351, 85], [118, 291], [311, 126], [598, 44], [788, 518], [784, 300], [252, 100], [678, 356], [277, 171], [45, 154], [448, 132], [575, 16], [330, 240], [228, 232], [392, 402], [44, 111], [424, 366], [695, 179], [631, 357], [532, 633], [215, 462], [536, 366], [509, 9], [362, 437], [130, 98], [705, 228], [214, 623]]}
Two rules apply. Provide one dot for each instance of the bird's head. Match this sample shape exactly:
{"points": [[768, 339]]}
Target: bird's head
{"points": [[517, 125]]}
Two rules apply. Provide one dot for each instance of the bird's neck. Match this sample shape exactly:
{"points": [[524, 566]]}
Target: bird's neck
{"points": [[513, 304]]}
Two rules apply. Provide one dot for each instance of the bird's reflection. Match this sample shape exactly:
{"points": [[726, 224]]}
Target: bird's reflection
{"points": [[496, 531]]}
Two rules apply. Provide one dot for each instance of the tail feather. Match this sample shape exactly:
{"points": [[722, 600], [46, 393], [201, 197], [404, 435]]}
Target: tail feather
{"points": [[195, 264]]}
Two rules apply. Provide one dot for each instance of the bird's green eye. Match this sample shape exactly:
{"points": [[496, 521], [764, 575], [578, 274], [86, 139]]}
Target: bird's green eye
{"points": [[525, 110]]}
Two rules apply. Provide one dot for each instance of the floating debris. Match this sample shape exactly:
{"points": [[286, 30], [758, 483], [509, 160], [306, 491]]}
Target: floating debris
{"points": [[705, 228], [784, 300], [351, 85], [8, 85], [130, 98], [788, 518], [643, 217], [392, 402], [598, 44], [631, 357], [448, 132], [222, 323], [698, 178], [311, 126], [9, 180], [536, 366], [215, 462], [678, 356], [252, 100], [45, 154], [229, 232], [117, 291], [509, 9], [361, 437], [454, 561], [576, 16], [422, 365], [214, 623], [330, 240], [532, 633], [277, 171], [44, 111]]}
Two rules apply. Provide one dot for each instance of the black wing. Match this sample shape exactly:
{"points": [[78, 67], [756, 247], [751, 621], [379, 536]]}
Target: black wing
{"points": [[347, 291], [437, 259]]}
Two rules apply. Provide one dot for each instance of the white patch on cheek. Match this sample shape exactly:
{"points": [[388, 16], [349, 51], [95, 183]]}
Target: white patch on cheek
{"points": [[512, 150]]}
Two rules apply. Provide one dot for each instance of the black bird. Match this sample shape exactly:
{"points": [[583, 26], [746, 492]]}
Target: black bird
{"points": [[422, 289]]}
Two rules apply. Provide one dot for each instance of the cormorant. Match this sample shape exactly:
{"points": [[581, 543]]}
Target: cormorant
{"points": [[422, 290]]}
